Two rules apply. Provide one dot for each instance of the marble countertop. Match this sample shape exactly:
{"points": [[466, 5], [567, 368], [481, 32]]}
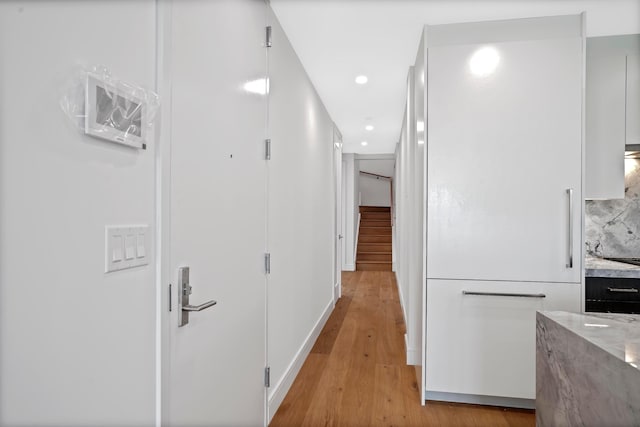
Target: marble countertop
{"points": [[617, 334], [598, 267], [587, 369]]}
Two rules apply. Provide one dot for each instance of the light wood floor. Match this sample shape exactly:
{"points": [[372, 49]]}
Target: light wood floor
{"points": [[356, 374]]}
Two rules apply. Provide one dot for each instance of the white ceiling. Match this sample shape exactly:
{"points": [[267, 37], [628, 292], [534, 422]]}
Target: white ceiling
{"points": [[338, 40]]}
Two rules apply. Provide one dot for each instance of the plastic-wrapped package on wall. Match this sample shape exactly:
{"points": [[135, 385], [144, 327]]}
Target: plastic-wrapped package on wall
{"points": [[102, 106]]}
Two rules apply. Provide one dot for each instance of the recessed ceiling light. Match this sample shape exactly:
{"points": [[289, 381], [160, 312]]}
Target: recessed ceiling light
{"points": [[363, 143], [368, 127], [361, 80], [421, 141], [420, 126]]}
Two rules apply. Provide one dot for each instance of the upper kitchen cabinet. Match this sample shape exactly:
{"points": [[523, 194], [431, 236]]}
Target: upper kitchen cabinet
{"points": [[612, 111], [633, 98], [605, 124]]}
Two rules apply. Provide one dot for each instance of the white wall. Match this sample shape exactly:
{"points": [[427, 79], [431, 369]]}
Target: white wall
{"points": [[350, 210], [76, 344], [301, 212], [375, 191], [418, 233], [409, 230], [401, 211]]}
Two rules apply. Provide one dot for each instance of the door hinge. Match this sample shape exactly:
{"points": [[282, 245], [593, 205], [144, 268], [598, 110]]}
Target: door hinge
{"points": [[267, 149], [268, 36], [267, 263], [267, 377], [169, 296]]}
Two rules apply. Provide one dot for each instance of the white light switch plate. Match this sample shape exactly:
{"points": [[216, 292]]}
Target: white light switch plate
{"points": [[126, 247]]}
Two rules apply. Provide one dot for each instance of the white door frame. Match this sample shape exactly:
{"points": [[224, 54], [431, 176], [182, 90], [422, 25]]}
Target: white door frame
{"points": [[338, 235], [163, 211]]}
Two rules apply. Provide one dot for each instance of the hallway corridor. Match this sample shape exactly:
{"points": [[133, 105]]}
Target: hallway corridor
{"points": [[356, 374]]}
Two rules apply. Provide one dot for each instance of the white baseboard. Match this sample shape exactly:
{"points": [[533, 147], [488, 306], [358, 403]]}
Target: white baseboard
{"points": [[413, 355], [349, 267], [279, 391], [402, 300]]}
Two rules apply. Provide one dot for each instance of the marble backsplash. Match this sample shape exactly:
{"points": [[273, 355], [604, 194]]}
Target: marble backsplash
{"points": [[612, 227]]}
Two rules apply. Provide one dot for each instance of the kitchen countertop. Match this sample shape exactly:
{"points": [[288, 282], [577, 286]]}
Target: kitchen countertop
{"points": [[587, 369], [598, 267], [617, 334]]}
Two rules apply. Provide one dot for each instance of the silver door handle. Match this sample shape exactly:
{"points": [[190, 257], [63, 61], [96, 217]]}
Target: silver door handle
{"points": [[184, 308], [339, 236], [570, 231], [623, 290], [504, 294], [199, 307]]}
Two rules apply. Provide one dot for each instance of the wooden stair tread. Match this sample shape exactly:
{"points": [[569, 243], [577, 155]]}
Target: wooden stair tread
{"points": [[384, 258], [372, 238], [375, 209], [373, 266]]}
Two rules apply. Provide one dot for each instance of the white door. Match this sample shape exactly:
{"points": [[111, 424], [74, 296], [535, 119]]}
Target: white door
{"points": [[217, 215], [504, 149], [339, 233]]}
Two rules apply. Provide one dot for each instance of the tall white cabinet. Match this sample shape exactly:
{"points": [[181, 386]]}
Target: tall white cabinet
{"points": [[504, 198], [612, 112]]}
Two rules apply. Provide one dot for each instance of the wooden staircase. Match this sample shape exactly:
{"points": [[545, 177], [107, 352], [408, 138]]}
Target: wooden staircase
{"points": [[374, 240]]}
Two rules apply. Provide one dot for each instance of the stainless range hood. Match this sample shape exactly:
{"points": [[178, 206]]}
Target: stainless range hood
{"points": [[632, 151]]}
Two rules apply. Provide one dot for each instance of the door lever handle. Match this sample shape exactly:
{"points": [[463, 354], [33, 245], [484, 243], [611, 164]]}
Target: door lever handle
{"points": [[200, 307], [184, 308]]}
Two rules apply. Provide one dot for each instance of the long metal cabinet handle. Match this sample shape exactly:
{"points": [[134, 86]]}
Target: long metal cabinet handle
{"points": [[623, 290], [570, 230], [504, 294], [199, 307]]}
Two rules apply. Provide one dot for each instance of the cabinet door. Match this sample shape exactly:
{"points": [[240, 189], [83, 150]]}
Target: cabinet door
{"points": [[605, 125], [633, 99], [504, 148], [486, 345]]}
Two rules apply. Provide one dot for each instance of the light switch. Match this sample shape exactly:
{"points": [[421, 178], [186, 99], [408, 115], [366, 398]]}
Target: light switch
{"points": [[141, 249], [116, 248], [129, 247], [126, 247]]}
